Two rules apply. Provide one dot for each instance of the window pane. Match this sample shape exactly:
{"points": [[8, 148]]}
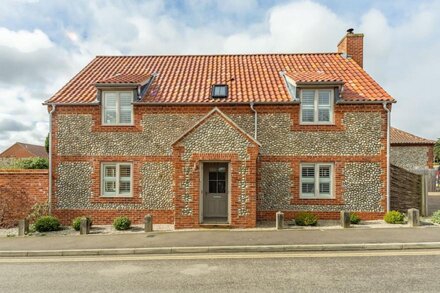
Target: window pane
{"points": [[124, 187], [110, 116], [324, 115], [124, 171], [308, 115], [308, 172], [212, 175], [110, 186], [125, 117], [110, 171], [308, 187], [324, 172], [220, 90], [324, 98], [212, 186], [324, 188], [110, 100], [221, 186], [125, 99], [308, 97], [221, 176]]}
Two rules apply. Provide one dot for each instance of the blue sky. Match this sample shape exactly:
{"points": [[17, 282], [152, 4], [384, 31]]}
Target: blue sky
{"points": [[44, 43]]}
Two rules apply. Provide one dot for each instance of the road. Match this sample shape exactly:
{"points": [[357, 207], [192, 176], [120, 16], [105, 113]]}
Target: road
{"points": [[401, 271]]}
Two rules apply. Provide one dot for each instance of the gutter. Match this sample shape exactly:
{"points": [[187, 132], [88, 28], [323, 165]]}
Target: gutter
{"points": [[50, 158], [388, 153], [255, 120]]}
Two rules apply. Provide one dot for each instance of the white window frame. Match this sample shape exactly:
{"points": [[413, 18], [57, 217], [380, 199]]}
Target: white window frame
{"points": [[116, 193], [316, 107], [317, 195], [118, 108]]}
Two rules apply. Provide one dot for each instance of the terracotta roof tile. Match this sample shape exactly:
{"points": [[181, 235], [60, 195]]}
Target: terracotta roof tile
{"points": [[398, 136], [251, 78], [313, 76], [126, 78]]}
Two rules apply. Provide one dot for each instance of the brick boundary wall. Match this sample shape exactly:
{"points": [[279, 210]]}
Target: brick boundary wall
{"points": [[405, 189], [19, 191]]}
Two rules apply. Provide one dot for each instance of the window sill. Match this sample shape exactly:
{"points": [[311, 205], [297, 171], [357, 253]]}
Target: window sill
{"points": [[317, 123], [116, 196]]}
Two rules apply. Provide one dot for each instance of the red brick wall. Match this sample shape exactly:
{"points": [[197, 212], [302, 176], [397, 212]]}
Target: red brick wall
{"points": [[19, 191]]}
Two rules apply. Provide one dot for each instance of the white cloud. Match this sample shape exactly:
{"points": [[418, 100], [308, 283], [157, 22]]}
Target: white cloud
{"points": [[24, 41]]}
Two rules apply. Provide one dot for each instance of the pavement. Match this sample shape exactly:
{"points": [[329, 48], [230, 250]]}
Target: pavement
{"points": [[214, 241]]}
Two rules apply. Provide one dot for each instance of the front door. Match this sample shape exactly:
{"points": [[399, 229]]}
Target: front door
{"points": [[215, 193]]}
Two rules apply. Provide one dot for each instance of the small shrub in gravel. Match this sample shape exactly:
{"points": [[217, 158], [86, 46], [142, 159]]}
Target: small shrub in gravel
{"points": [[354, 218], [394, 217], [76, 223], [436, 217], [122, 223], [47, 224], [306, 219]]}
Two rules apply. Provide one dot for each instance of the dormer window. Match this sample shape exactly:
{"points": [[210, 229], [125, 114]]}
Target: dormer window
{"points": [[117, 108], [317, 106], [219, 91]]}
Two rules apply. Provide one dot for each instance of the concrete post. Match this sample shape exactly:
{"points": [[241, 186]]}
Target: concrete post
{"points": [[148, 223], [84, 227], [23, 227], [345, 219], [279, 220], [413, 217]]}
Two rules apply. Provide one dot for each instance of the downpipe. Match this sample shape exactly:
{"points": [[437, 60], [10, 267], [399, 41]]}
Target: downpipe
{"points": [[255, 120], [50, 158], [388, 153]]}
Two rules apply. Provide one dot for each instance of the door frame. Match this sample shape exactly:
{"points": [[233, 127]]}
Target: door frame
{"points": [[202, 186]]}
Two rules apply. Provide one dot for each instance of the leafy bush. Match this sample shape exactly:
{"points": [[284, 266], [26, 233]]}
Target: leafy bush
{"points": [[47, 224], [38, 210], [122, 223], [394, 217], [32, 163], [354, 218], [306, 219], [436, 217], [76, 223]]}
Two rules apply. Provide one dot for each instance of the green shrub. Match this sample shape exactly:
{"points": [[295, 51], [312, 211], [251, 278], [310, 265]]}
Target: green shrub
{"points": [[306, 219], [37, 211], [76, 223], [47, 224], [32, 163], [354, 218], [122, 223], [394, 217], [436, 217]]}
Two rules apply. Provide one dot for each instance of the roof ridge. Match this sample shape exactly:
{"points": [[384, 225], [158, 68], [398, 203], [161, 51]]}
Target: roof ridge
{"points": [[208, 55]]}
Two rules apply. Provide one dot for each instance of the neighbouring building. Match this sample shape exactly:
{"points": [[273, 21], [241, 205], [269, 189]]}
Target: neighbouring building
{"points": [[221, 139], [411, 152], [21, 150]]}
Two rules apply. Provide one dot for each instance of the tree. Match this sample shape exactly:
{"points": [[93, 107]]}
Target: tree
{"points": [[437, 151], [46, 143]]}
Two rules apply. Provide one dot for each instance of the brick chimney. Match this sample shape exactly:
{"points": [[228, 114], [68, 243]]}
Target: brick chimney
{"points": [[352, 46]]}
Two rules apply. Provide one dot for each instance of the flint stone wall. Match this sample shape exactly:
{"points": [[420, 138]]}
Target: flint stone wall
{"points": [[362, 188], [362, 137], [410, 157]]}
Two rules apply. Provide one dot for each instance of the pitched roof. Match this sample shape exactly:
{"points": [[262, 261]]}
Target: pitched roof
{"points": [[312, 76], [126, 78], [30, 150], [398, 136], [251, 78]]}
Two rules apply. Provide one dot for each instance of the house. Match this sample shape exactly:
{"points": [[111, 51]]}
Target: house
{"points": [[21, 150], [221, 139], [411, 152]]}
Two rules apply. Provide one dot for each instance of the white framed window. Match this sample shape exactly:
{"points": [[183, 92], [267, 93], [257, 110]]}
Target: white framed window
{"points": [[316, 106], [117, 108], [316, 180], [116, 179]]}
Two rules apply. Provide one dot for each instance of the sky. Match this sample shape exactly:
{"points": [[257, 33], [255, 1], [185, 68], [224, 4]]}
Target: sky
{"points": [[44, 43]]}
